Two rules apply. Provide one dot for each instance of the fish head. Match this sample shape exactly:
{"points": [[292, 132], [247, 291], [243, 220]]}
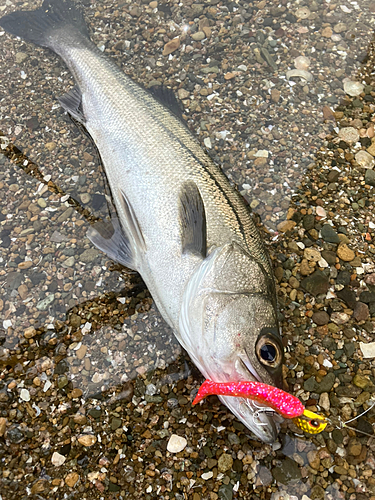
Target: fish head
{"points": [[229, 327]]}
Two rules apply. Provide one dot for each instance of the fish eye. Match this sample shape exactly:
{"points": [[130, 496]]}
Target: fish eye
{"points": [[269, 351], [314, 423]]}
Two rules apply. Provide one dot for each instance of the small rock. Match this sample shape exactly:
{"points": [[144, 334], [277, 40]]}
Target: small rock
{"points": [[225, 462], [349, 135], [287, 472], [85, 198], [320, 318], [286, 225], [326, 384], [324, 401], [370, 175], [87, 439], [327, 32], [21, 57], [183, 94], [25, 395], [45, 303], [89, 255], [51, 145], [364, 159], [3, 424], [361, 381], [354, 448], [72, 479], [29, 333], [171, 46], [361, 311], [57, 459], [313, 459], [198, 36], [311, 254], [42, 203], [302, 13], [176, 443], [345, 253], [275, 95], [329, 234], [69, 262], [316, 283]]}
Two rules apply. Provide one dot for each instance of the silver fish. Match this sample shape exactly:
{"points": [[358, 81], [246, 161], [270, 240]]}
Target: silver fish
{"points": [[179, 222]]}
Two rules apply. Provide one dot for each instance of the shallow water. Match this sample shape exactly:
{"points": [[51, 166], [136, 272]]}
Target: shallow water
{"points": [[83, 350]]}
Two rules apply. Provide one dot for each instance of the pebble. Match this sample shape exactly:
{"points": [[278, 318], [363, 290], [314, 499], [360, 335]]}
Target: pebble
{"points": [[368, 350], [320, 318], [302, 13], [25, 395], [345, 253], [29, 333], [353, 88], [316, 283], [57, 459], [329, 234], [324, 401], [176, 443], [45, 303], [361, 311], [364, 159], [51, 145], [171, 46], [72, 479], [350, 135], [225, 462], [302, 62], [21, 57], [87, 440], [198, 36]]}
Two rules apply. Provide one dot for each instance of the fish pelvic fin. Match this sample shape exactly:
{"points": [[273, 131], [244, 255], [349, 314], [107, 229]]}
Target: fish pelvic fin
{"points": [[56, 23], [116, 245], [193, 220]]}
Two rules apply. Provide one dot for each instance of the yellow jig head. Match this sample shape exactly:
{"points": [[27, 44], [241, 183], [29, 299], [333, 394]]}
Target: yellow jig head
{"points": [[310, 422]]}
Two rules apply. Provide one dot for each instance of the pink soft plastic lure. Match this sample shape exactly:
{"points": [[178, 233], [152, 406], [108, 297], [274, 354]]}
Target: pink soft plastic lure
{"points": [[282, 402], [285, 404]]}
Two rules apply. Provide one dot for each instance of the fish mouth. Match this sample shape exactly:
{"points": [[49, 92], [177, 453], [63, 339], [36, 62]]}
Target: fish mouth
{"points": [[259, 419]]}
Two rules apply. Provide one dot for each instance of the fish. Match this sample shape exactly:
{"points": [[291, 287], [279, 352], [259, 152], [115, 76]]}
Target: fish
{"points": [[285, 404], [177, 220]]}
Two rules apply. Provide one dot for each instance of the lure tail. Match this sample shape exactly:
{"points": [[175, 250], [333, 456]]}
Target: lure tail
{"points": [[208, 388]]}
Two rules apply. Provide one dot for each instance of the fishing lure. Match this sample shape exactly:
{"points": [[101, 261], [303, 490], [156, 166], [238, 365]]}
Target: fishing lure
{"points": [[281, 402]]}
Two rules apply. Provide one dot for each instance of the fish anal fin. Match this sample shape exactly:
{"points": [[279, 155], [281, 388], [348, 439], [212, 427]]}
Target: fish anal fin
{"points": [[72, 103], [193, 220], [116, 245]]}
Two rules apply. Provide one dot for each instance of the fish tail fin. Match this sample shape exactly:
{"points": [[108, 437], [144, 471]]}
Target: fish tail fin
{"points": [[206, 389], [56, 23]]}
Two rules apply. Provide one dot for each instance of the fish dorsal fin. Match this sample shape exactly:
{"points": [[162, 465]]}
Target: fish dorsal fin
{"points": [[193, 220], [168, 98], [72, 103]]}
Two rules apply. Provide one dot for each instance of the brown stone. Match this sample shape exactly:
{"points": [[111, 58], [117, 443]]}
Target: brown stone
{"points": [[361, 311], [72, 479], [171, 46], [3, 424], [286, 225], [87, 439], [345, 253]]}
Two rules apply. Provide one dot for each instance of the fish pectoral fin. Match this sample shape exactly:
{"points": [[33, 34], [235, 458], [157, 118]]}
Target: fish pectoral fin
{"points": [[193, 220], [116, 245], [72, 103]]}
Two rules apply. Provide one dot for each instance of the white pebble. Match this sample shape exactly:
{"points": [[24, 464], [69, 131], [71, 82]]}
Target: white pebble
{"points": [[207, 475], [176, 443], [207, 142], [321, 212], [25, 395], [368, 350], [7, 324], [364, 159], [349, 135], [353, 88], [57, 459], [302, 62], [47, 385]]}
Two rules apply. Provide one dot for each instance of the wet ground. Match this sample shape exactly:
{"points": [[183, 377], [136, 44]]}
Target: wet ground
{"points": [[92, 382]]}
